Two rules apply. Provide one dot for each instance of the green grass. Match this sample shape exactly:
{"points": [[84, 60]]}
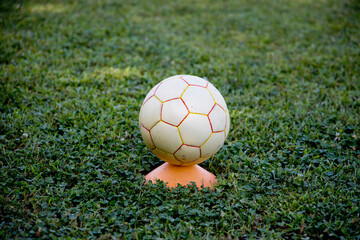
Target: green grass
{"points": [[74, 74]]}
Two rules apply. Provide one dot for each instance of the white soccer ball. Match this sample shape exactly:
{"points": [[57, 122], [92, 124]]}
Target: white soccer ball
{"points": [[184, 120]]}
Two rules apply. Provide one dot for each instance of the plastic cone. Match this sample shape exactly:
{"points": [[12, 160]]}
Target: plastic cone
{"points": [[174, 175]]}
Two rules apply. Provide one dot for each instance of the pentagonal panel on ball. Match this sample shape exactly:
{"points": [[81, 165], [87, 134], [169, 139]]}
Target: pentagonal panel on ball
{"points": [[165, 156], [212, 145], [198, 100], [217, 96], [196, 81], [187, 153], [150, 112], [171, 88], [145, 133], [174, 111], [195, 129], [217, 118], [166, 137]]}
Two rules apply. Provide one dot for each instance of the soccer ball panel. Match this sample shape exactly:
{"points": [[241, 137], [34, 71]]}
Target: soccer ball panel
{"points": [[147, 137], [198, 100], [150, 112], [187, 153], [165, 156], [166, 137], [195, 129], [170, 89], [196, 81], [217, 96], [213, 144], [217, 118], [174, 111]]}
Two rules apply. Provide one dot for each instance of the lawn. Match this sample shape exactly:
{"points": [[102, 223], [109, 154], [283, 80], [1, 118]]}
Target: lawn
{"points": [[73, 75]]}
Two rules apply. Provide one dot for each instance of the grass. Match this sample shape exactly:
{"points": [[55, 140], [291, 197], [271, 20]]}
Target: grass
{"points": [[74, 74]]}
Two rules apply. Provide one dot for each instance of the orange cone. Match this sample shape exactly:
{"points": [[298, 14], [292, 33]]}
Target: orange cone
{"points": [[174, 175]]}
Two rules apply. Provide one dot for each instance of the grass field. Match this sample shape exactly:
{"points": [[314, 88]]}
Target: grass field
{"points": [[73, 77]]}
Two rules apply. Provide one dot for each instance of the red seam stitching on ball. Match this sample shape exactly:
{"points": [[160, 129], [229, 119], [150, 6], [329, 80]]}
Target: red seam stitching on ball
{"points": [[219, 131], [183, 119], [212, 109], [150, 136], [145, 128], [212, 129], [178, 149], [171, 99], [221, 107], [161, 112], [169, 123], [185, 104], [184, 80], [148, 99], [190, 84], [157, 87], [191, 146]]}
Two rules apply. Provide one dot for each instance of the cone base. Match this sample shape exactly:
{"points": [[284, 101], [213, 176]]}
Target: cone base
{"points": [[173, 175]]}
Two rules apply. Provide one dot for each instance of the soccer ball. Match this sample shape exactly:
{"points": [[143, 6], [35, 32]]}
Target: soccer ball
{"points": [[184, 120]]}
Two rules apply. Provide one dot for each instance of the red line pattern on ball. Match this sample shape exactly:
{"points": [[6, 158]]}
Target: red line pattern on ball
{"points": [[152, 94], [171, 99], [184, 80], [221, 107], [196, 85], [150, 136], [161, 108], [208, 116], [157, 87]]}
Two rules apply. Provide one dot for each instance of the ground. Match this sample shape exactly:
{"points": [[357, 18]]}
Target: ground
{"points": [[73, 77]]}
